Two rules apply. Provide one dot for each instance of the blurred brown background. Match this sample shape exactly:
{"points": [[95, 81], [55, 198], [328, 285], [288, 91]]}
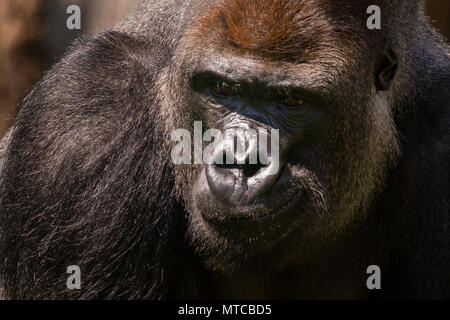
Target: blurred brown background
{"points": [[33, 35]]}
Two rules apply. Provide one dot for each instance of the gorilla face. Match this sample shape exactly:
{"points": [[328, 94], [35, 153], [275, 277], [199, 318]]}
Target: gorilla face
{"points": [[247, 201], [336, 139]]}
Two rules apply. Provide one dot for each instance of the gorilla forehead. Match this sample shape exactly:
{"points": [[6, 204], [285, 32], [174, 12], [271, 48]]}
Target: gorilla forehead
{"points": [[282, 30]]}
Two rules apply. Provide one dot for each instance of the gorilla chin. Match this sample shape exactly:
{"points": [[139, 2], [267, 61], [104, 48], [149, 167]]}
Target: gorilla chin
{"points": [[252, 214]]}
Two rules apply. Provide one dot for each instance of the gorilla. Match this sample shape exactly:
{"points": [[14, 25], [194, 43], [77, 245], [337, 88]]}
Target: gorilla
{"points": [[86, 176]]}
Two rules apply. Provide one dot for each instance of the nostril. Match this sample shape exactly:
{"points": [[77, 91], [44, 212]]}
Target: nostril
{"points": [[228, 166], [244, 161], [226, 163], [249, 170]]}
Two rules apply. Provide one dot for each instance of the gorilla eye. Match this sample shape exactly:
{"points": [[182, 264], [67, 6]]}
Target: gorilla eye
{"points": [[293, 101], [289, 98], [222, 88]]}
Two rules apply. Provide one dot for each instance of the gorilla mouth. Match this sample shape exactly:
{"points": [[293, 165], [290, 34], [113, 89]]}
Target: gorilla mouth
{"points": [[288, 205], [259, 224], [262, 214], [281, 198]]}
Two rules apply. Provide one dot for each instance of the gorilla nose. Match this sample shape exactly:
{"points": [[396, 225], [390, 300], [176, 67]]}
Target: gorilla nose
{"points": [[240, 177], [247, 169]]}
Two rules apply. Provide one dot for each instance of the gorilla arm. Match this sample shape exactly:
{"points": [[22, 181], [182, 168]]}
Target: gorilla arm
{"points": [[73, 186]]}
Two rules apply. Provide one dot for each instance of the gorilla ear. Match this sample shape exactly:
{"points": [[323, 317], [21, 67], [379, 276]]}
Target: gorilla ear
{"points": [[385, 70]]}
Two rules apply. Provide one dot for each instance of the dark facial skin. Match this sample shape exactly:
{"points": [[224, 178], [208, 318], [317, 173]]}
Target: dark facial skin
{"points": [[249, 199], [231, 101]]}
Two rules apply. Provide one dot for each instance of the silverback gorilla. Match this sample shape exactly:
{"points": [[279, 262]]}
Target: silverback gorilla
{"points": [[87, 177]]}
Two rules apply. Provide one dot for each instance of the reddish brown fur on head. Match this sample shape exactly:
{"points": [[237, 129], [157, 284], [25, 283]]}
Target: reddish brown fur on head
{"points": [[281, 30]]}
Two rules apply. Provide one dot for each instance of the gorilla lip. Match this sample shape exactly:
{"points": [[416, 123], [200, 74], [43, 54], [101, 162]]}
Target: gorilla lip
{"points": [[276, 209], [249, 231], [280, 209]]}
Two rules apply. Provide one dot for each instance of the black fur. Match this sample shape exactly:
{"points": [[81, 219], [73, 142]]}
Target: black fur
{"points": [[85, 179]]}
